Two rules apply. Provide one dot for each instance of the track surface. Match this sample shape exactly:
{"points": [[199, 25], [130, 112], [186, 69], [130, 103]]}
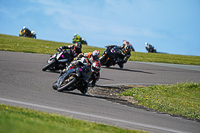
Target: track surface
{"points": [[24, 84]]}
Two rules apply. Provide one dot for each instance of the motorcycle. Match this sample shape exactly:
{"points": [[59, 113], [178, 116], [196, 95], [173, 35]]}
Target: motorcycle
{"points": [[76, 78], [150, 48], [111, 56], [32, 35], [59, 60]]}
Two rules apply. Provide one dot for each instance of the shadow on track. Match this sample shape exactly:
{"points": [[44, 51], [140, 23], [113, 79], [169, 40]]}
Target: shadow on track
{"points": [[118, 100], [129, 70]]}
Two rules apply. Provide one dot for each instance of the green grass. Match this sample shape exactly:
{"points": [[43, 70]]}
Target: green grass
{"points": [[30, 45], [165, 58], [22, 120], [181, 98]]}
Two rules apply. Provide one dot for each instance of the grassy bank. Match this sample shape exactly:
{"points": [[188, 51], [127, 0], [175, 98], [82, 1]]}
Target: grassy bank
{"points": [[22, 44], [21, 120], [181, 98]]}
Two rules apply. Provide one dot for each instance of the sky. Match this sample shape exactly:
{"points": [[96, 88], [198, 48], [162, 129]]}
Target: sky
{"points": [[171, 26]]}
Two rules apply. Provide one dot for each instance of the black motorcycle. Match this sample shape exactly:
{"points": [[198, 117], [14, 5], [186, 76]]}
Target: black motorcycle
{"points": [[59, 60], [76, 78], [111, 56]]}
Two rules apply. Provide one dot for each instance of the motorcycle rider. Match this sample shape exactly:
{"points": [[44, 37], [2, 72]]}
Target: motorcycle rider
{"points": [[75, 49], [25, 32], [126, 42], [91, 66], [121, 53], [149, 47], [96, 67], [76, 38], [93, 59], [124, 55]]}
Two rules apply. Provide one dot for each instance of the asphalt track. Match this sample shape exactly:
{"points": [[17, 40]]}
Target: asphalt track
{"points": [[22, 83]]}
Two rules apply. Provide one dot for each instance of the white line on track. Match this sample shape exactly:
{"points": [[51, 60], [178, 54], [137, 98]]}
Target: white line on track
{"points": [[90, 115]]}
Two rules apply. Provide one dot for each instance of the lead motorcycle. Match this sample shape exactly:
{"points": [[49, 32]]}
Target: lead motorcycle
{"points": [[59, 60], [111, 56], [76, 78]]}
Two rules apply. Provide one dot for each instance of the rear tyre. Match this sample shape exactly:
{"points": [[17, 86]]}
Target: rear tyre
{"points": [[48, 65], [67, 85]]}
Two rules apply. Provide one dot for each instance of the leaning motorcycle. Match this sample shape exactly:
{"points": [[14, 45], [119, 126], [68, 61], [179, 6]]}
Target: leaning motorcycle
{"points": [[59, 60], [111, 56], [32, 35], [76, 78]]}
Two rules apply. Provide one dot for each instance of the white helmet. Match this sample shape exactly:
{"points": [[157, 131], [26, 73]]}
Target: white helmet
{"points": [[24, 27], [95, 55]]}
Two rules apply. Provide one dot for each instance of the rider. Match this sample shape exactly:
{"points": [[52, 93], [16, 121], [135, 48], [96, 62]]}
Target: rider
{"points": [[76, 48], [126, 42], [90, 69], [25, 31], [149, 47], [96, 67], [76, 38], [93, 59], [125, 55]]}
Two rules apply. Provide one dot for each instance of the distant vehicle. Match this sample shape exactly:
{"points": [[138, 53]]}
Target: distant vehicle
{"points": [[25, 32], [150, 48]]}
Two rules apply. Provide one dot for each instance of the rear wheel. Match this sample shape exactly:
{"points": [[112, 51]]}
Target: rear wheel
{"points": [[67, 84], [48, 65]]}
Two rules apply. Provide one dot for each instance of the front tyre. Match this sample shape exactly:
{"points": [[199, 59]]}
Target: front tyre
{"points": [[54, 85], [68, 83], [48, 65]]}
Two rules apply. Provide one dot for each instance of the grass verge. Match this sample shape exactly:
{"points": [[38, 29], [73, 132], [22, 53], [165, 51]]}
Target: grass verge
{"points": [[22, 120], [180, 99], [30, 45]]}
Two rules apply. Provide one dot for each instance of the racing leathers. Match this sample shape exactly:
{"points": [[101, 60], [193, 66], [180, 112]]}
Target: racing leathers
{"points": [[95, 73], [75, 51]]}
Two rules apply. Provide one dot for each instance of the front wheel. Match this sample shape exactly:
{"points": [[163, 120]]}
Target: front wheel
{"points": [[67, 84], [54, 85], [48, 65]]}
